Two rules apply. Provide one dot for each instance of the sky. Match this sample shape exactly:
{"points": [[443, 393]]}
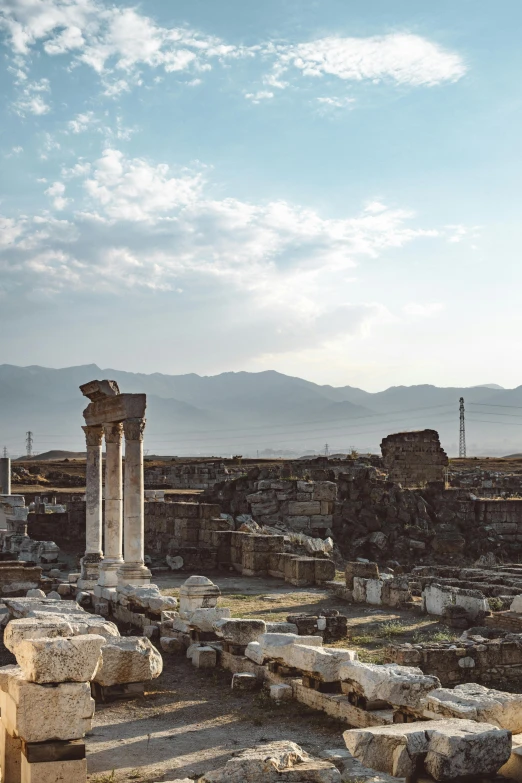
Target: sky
{"points": [[327, 188]]}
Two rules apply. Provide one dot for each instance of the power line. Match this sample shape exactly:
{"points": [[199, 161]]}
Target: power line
{"points": [[247, 433], [491, 405]]}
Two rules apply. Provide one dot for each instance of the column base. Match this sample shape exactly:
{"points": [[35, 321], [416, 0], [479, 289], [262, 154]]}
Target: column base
{"points": [[109, 568], [89, 570], [134, 574]]}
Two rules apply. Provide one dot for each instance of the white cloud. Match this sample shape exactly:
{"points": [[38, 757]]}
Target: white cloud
{"points": [[119, 43], [335, 102], [114, 41], [259, 96], [135, 190], [31, 100], [424, 310], [142, 226], [400, 57], [82, 122], [56, 192]]}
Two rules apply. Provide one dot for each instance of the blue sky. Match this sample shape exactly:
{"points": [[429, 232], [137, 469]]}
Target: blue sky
{"points": [[329, 189]]}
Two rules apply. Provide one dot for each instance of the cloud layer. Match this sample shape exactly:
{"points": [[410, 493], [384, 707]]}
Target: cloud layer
{"points": [[132, 225], [118, 43]]}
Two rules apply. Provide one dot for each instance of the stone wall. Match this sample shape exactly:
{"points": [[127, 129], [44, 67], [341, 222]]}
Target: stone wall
{"points": [[414, 459], [496, 663], [292, 504], [189, 475]]}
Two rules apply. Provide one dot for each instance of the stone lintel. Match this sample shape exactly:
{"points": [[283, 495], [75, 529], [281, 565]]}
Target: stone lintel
{"points": [[99, 390], [116, 409]]}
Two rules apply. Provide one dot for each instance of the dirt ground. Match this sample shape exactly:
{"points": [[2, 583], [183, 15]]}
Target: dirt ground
{"points": [[190, 721]]}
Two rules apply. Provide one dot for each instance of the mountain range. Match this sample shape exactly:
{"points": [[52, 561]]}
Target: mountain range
{"points": [[265, 413]]}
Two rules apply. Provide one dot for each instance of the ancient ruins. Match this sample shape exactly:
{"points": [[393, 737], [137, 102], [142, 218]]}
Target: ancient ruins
{"points": [[314, 551]]}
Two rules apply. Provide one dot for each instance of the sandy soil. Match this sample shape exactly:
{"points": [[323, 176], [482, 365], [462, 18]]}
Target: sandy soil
{"points": [[192, 722]]}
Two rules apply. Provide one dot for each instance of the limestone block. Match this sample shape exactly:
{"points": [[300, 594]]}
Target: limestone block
{"points": [[204, 658], [30, 628], [467, 752], [359, 589], [35, 593], [244, 681], [324, 570], [304, 508], [325, 490], [10, 756], [275, 645], [198, 592], [476, 702], [74, 659], [435, 598], [254, 652], [374, 591], [171, 644], [365, 570], [352, 771], [269, 763], [281, 692], [322, 663], [402, 686], [449, 748], [54, 771], [240, 632], [54, 595], [40, 713], [191, 649], [205, 619], [128, 659], [163, 603]]}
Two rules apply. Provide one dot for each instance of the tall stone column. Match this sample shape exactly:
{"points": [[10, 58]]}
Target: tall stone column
{"points": [[133, 571], [113, 527], [93, 511]]}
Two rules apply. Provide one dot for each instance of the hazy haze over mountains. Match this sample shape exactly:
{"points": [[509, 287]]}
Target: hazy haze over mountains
{"points": [[241, 412]]}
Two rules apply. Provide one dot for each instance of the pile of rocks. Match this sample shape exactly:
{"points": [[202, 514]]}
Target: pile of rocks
{"points": [[127, 661]]}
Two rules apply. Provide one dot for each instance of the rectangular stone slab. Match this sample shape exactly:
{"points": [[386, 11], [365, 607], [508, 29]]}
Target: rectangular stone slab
{"points": [[449, 748], [40, 713]]}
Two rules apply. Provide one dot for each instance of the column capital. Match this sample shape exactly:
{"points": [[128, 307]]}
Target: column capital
{"points": [[113, 432], [93, 434], [133, 429]]}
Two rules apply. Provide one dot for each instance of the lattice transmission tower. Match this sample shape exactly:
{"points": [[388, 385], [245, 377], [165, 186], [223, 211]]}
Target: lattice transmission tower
{"points": [[462, 434], [29, 443]]}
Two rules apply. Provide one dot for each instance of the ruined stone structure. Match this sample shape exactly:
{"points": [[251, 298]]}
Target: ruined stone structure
{"points": [[295, 505], [492, 662], [414, 459], [191, 475], [113, 414]]}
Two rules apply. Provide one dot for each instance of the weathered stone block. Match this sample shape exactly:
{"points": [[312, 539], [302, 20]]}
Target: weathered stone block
{"points": [[304, 508], [448, 749], [39, 713], [240, 632], [74, 659], [204, 658], [128, 659]]}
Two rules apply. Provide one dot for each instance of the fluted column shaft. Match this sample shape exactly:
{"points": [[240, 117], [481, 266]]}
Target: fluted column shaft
{"points": [[113, 527], [133, 570], [93, 506]]}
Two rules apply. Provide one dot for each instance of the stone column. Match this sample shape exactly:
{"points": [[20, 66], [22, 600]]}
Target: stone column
{"points": [[133, 571], [113, 528], [93, 510]]}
